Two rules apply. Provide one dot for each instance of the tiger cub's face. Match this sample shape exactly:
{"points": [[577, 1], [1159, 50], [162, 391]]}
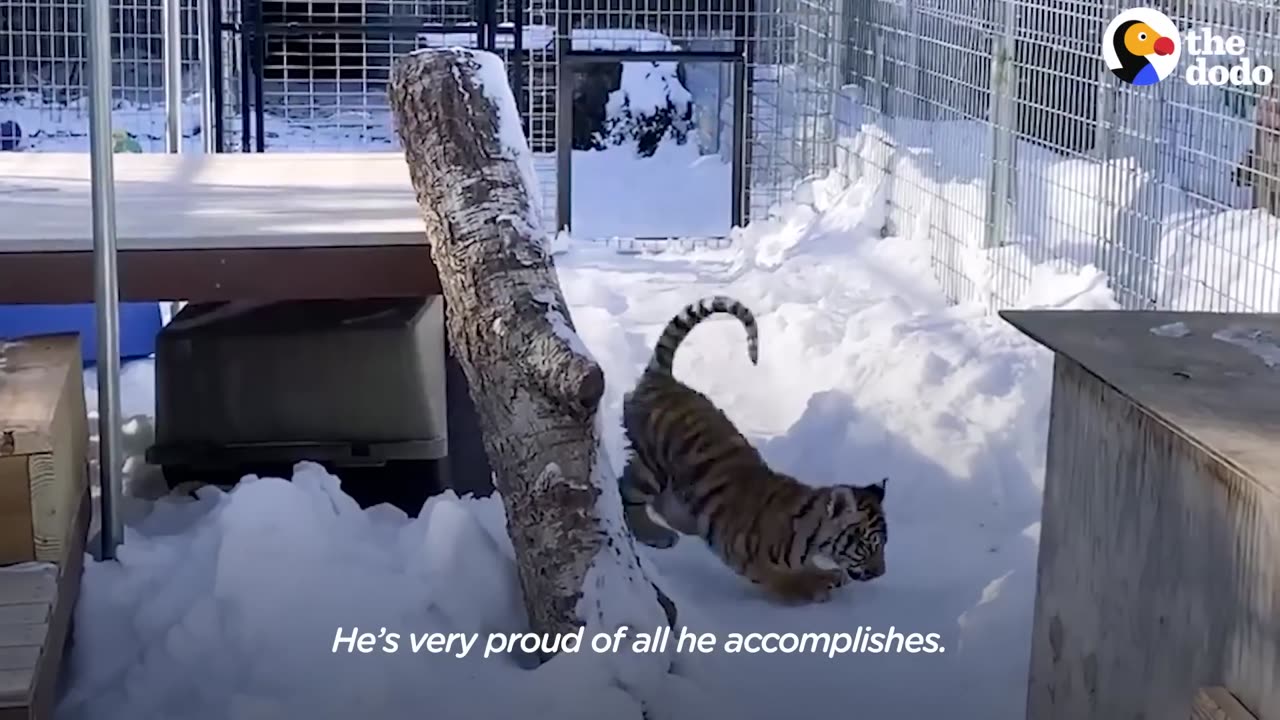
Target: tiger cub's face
{"points": [[857, 512]]}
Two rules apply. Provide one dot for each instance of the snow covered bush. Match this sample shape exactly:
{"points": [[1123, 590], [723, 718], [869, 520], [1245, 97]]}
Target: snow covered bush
{"points": [[631, 103], [651, 104]]}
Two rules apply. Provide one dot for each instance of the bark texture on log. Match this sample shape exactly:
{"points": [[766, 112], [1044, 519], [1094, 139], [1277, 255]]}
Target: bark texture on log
{"points": [[535, 387]]}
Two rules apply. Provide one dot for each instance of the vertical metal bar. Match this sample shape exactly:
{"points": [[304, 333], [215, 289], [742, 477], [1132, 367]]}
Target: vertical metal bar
{"points": [[219, 77], [491, 25], [171, 35], [106, 280], [738, 170], [208, 49], [564, 144], [743, 113], [998, 177], [1103, 150], [259, 74], [521, 62], [246, 118], [563, 115]]}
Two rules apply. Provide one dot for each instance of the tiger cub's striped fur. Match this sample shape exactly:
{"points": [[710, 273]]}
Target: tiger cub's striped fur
{"points": [[692, 466]]}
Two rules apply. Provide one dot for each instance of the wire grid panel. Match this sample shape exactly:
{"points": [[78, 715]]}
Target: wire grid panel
{"points": [[325, 65], [43, 71], [795, 71], [998, 134]]}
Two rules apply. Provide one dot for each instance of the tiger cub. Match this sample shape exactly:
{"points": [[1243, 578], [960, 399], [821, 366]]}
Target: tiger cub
{"points": [[702, 477]]}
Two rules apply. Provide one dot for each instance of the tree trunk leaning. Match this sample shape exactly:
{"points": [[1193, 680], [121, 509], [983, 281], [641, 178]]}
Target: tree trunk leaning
{"points": [[535, 387]]}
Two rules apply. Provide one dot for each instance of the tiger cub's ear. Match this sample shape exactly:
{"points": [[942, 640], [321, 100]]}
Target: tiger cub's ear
{"points": [[877, 489]]}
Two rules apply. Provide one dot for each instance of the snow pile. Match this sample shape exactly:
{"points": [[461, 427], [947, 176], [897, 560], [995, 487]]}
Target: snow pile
{"points": [[230, 606], [1169, 243]]}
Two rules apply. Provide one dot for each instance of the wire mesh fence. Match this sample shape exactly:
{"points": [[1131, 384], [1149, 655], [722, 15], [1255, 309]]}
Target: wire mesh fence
{"points": [[997, 134], [42, 70], [310, 75]]}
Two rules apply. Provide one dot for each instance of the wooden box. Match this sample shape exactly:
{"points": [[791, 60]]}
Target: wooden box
{"points": [[1159, 565], [44, 439]]}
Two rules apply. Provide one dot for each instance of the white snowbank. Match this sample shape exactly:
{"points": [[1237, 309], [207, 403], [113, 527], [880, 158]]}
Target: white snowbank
{"points": [[1168, 241]]}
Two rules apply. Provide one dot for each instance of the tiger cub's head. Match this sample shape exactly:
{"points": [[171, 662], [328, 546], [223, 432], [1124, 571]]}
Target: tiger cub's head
{"points": [[860, 530]]}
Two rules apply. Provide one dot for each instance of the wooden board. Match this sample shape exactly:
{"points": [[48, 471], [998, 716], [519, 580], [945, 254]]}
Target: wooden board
{"points": [[1216, 703], [231, 200], [1217, 394], [217, 275], [44, 438], [36, 607]]}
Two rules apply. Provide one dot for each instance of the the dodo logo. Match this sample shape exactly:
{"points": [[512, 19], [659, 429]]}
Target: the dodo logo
{"points": [[1141, 46]]}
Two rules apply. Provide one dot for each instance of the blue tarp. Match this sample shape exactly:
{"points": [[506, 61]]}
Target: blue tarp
{"points": [[139, 323]]}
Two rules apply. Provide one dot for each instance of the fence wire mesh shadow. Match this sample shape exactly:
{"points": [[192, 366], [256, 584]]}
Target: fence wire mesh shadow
{"points": [[311, 76], [998, 135]]}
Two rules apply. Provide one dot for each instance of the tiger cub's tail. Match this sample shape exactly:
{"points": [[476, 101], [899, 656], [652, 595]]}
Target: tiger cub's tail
{"points": [[681, 325]]}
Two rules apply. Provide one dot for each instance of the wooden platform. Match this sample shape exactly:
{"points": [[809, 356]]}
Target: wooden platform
{"points": [[216, 227], [1159, 565]]}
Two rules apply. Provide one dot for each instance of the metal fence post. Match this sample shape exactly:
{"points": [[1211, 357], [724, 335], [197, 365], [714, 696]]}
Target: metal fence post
{"points": [[207, 39], [106, 285], [1003, 121], [171, 35]]}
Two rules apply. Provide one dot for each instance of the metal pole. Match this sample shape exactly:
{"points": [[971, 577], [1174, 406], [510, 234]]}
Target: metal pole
{"points": [[106, 281], [208, 49], [172, 36]]}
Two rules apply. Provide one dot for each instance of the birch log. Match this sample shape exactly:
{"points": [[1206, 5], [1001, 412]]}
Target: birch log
{"points": [[535, 387]]}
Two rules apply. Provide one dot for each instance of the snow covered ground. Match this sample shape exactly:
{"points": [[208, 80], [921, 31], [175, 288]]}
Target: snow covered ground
{"points": [[227, 606]]}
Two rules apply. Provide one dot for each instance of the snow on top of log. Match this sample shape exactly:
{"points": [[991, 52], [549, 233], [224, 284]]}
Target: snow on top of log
{"points": [[489, 74], [560, 324], [491, 77]]}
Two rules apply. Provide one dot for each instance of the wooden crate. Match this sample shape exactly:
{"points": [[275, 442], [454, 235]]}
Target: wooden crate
{"points": [[44, 515], [1159, 565], [44, 439]]}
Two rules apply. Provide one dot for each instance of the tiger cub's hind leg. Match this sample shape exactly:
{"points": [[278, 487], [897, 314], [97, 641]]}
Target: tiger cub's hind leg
{"points": [[675, 513], [640, 489]]}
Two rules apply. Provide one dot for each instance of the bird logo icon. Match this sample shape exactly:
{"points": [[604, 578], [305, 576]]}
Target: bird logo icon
{"points": [[1141, 46]]}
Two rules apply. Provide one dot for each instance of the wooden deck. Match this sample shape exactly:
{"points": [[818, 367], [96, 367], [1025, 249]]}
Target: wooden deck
{"points": [[216, 227]]}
